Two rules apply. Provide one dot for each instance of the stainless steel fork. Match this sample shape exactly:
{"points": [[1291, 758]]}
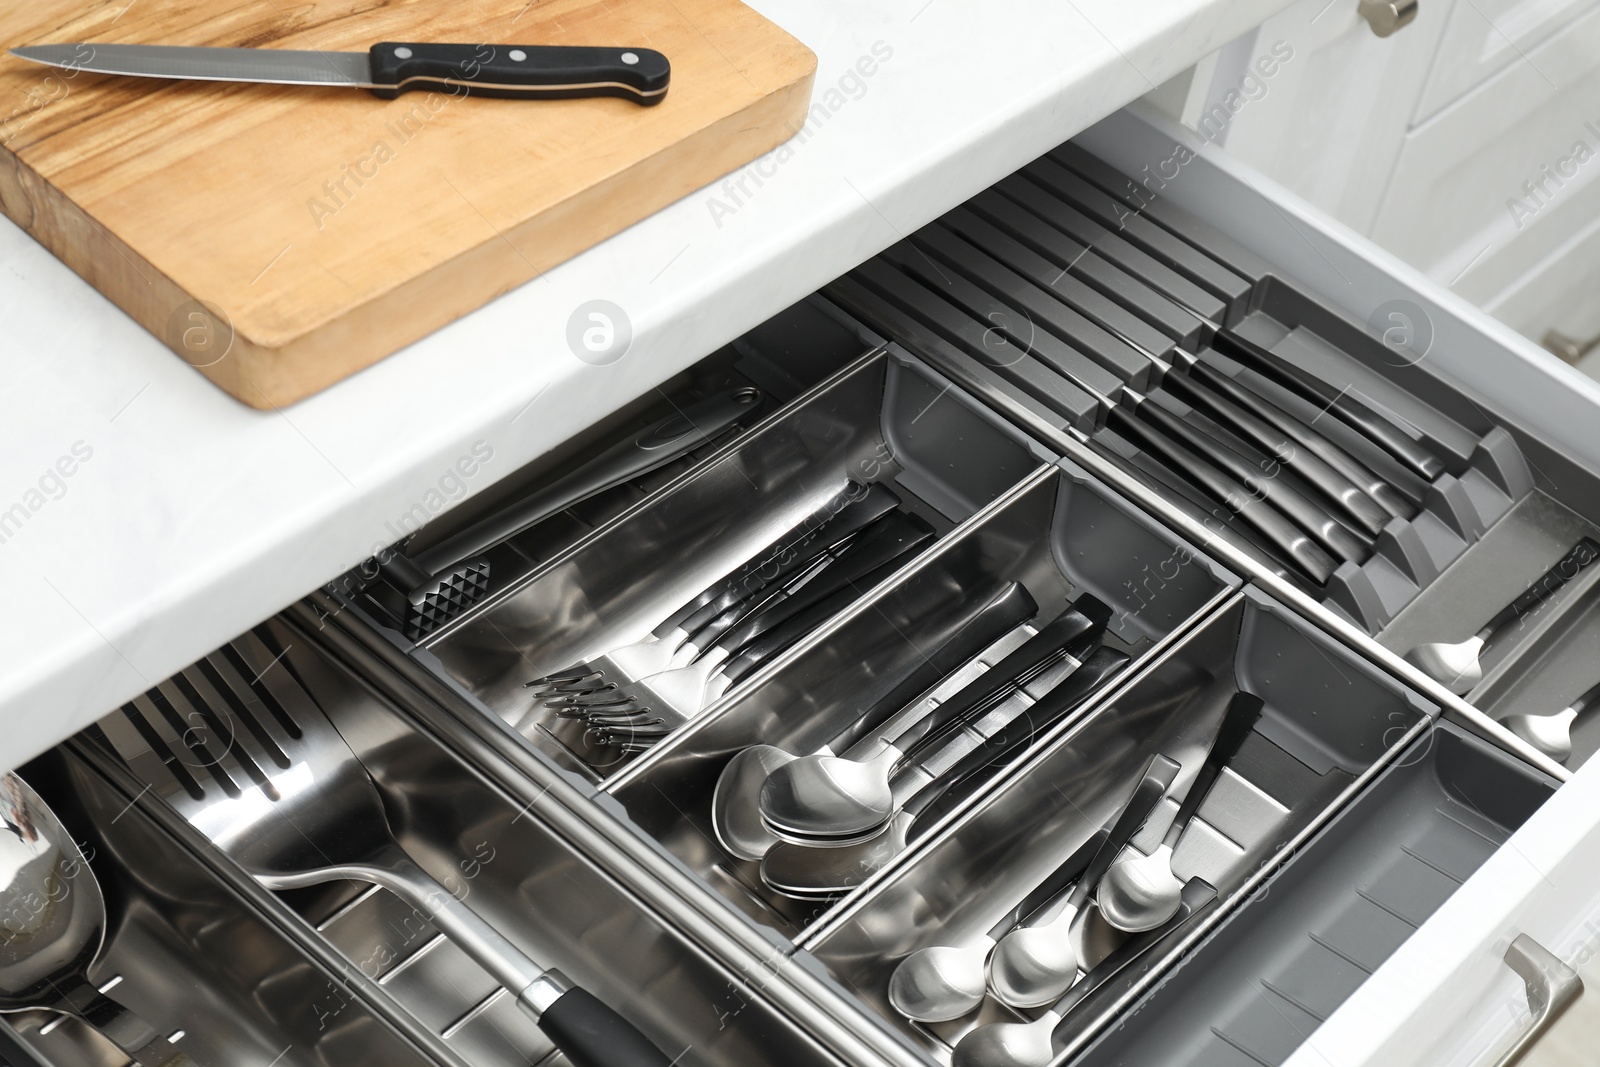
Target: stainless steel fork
{"points": [[238, 747]]}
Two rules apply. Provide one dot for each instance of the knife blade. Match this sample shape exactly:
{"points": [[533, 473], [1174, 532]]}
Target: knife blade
{"points": [[519, 72]]}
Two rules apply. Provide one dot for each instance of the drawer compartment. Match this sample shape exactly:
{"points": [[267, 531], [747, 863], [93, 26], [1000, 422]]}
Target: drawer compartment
{"points": [[1293, 953], [1059, 536], [191, 958], [1327, 723], [881, 426], [1267, 414], [544, 893]]}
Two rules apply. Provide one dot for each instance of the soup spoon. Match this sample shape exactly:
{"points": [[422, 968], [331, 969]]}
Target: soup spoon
{"points": [[960, 633], [819, 795], [1033, 1044], [943, 982], [1033, 965]]}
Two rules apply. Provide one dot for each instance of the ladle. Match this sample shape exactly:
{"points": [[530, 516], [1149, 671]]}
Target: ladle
{"points": [[52, 928]]}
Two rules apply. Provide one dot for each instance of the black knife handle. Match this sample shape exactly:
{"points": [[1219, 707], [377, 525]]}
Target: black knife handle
{"points": [[1282, 534], [520, 72], [1304, 512], [1366, 512], [1352, 412]]}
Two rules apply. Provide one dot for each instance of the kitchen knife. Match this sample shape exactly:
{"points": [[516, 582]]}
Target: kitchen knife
{"points": [[517, 72]]}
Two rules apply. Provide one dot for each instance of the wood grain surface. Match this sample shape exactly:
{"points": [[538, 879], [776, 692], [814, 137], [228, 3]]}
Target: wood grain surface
{"points": [[281, 238]]}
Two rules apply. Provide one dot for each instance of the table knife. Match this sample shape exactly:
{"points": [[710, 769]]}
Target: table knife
{"points": [[519, 72]]}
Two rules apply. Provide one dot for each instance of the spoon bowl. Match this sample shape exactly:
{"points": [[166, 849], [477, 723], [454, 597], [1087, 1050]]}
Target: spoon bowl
{"points": [[1453, 664], [51, 910], [1034, 965], [735, 818], [1550, 734], [940, 983], [1009, 1044], [53, 925], [1141, 892], [829, 796]]}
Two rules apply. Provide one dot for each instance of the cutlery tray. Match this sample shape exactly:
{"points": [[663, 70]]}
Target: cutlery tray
{"points": [[1329, 721], [1307, 937], [193, 957], [1059, 534], [1049, 293], [782, 358], [261, 991], [880, 421]]}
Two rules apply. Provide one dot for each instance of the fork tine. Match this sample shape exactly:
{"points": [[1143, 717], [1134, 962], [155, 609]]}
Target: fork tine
{"points": [[143, 748], [230, 723]]}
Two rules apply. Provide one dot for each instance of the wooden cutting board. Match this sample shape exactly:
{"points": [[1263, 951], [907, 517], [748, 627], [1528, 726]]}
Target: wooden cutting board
{"points": [[282, 238]]}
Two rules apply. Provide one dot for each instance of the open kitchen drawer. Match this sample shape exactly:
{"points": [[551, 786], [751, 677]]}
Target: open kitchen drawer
{"points": [[1369, 811]]}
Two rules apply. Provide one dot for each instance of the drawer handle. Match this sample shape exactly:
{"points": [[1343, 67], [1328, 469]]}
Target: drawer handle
{"points": [[1570, 349], [1552, 987], [1387, 16]]}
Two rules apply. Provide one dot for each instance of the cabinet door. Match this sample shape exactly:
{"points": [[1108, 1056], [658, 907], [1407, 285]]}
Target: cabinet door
{"points": [[1329, 122]]}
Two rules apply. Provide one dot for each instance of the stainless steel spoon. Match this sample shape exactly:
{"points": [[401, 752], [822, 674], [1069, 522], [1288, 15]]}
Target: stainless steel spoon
{"points": [[954, 637], [942, 982], [830, 796], [1141, 892], [811, 873], [52, 928], [1033, 965], [1455, 664], [1033, 1044], [1552, 733]]}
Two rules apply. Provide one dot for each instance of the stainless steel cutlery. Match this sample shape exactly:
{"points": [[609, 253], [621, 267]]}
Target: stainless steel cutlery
{"points": [[254, 763], [1140, 893], [1457, 664], [53, 928], [1552, 733]]}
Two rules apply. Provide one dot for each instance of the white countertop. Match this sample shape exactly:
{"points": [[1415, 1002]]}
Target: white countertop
{"points": [[193, 517]]}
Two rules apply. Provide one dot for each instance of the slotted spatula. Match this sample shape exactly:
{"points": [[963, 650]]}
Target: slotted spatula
{"points": [[239, 748]]}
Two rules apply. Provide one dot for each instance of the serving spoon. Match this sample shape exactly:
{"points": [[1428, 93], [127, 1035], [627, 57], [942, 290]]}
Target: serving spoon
{"points": [[52, 929], [1140, 892], [943, 982], [1552, 733], [957, 635], [1456, 665], [1034, 964], [831, 796]]}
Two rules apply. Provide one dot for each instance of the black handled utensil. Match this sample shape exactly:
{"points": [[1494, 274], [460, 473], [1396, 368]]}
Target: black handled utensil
{"points": [[389, 68], [1456, 664]]}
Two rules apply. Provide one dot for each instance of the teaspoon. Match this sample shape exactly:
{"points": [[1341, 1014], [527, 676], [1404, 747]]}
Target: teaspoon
{"points": [[1141, 892], [1552, 733], [1033, 965], [1456, 665]]}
